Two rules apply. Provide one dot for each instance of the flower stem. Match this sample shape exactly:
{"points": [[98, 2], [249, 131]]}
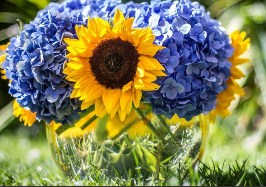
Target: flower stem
{"points": [[125, 128], [148, 123], [205, 131], [89, 122], [166, 126]]}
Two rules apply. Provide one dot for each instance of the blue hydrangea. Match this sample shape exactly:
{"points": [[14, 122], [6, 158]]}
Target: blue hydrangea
{"points": [[35, 59], [195, 56]]}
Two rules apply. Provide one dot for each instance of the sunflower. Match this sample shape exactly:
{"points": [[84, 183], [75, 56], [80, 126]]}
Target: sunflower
{"points": [[111, 64], [2, 59], [24, 115], [224, 99], [79, 129]]}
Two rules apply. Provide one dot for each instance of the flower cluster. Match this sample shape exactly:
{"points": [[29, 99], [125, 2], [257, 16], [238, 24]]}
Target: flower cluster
{"points": [[35, 61], [195, 56], [116, 56]]}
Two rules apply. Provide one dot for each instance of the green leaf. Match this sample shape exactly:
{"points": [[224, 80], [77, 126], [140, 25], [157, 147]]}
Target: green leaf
{"points": [[240, 182], [25, 7], [40, 3], [6, 115], [116, 157], [10, 17], [146, 157]]}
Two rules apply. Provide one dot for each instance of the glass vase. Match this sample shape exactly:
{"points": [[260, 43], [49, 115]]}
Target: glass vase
{"points": [[165, 149]]}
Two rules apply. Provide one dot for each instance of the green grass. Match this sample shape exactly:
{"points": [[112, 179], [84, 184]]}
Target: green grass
{"points": [[25, 159]]}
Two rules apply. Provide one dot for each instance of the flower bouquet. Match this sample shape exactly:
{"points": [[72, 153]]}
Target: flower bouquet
{"points": [[124, 89]]}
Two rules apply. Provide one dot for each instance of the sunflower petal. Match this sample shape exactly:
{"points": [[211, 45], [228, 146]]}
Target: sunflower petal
{"points": [[125, 99], [118, 17], [122, 115], [138, 83], [85, 105], [99, 108], [127, 86], [110, 98], [137, 97], [150, 50]]}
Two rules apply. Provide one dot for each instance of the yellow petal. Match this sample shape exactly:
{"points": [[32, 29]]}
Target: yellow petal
{"points": [[147, 63], [122, 114], [4, 47], [118, 17], [100, 108], [74, 43], [150, 63], [129, 106], [150, 50], [115, 109], [85, 105], [149, 77], [137, 97], [140, 72], [150, 86], [223, 112], [157, 73], [74, 66], [2, 58], [24, 115], [128, 23], [138, 83], [94, 93], [110, 98], [102, 25], [236, 73], [127, 86], [238, 89], [125, 99], [238, 61]]}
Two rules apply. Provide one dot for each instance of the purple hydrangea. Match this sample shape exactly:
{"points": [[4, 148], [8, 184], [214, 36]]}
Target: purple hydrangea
{"points": [[195, 57], [35, 60]]}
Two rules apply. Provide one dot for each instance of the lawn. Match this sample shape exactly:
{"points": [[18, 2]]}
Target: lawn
{"points": [[25, 159]]}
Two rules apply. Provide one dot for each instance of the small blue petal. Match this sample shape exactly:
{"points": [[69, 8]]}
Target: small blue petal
{"points": [[185, 28], [53, 97]]}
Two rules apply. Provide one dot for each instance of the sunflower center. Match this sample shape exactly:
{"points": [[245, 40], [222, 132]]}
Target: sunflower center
{"points": [[114, 63]]}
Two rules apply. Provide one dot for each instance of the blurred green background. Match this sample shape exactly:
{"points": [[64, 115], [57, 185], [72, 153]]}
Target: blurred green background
{"points": [[238, 137]]}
